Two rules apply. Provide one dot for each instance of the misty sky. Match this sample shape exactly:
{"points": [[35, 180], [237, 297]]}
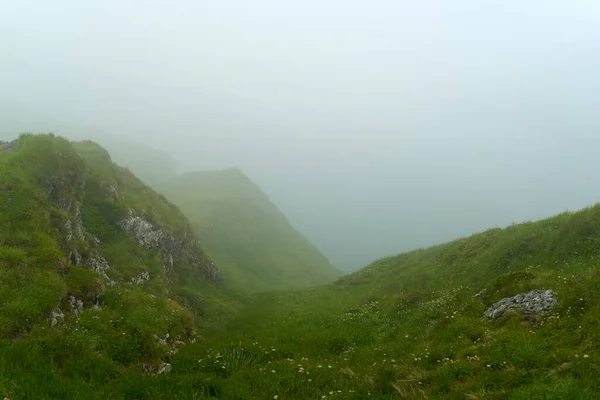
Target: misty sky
{"points": [[375, 126]]}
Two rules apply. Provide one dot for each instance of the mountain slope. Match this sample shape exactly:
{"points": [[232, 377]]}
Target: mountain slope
{"points": [[412, 327], [243, 231], [95, 267], [254, 244]]}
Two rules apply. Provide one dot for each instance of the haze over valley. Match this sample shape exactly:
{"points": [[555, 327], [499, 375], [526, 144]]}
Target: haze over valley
{"points": [[299, 200], [375, 128]]}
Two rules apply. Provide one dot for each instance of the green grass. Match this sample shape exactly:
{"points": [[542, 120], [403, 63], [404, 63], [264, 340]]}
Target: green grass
{"points": [[410, 327], [251, 241], [405, 327]]}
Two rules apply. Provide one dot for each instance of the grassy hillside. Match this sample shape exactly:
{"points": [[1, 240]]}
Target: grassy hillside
{"points": [[410, 326], [95, 267], [253, 243]]}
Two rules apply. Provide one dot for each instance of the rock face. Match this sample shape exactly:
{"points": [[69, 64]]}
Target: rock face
{"points": [[534, 303], [173, 252], [142, 277]]}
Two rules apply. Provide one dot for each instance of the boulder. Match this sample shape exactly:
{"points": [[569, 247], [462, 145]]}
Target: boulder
{"points": [[531, 304]]}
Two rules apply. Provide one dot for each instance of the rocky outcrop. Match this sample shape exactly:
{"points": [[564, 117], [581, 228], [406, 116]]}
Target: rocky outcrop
{"points": [[77, 305], [173, 251], [99, 265], [9, 147], [163, 368], [142, 277], [531, 304], [56, 317], [74, 229]]}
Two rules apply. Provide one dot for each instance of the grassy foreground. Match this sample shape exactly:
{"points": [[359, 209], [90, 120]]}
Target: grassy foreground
{"points": [[410, 327]]}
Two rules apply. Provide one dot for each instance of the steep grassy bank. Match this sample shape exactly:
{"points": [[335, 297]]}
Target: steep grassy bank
{"points": [[253, 243], [100, 275]]}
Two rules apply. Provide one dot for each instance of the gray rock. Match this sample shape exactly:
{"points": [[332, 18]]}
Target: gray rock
{"points": [[161, 341], [173, 251], [76, 304], [114, 193], [481, 293], [142, 277], [98, 264], [164, 368], [534, 303], [56, 317], [76, 258], [9, 147]]}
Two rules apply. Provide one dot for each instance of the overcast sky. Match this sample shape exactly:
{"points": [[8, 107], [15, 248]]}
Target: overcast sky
{"points": [[376, 126]]}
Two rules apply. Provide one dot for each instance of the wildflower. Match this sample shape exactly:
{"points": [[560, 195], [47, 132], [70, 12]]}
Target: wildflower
{"points": [[272, 371], [275, 397], [585, 356]]}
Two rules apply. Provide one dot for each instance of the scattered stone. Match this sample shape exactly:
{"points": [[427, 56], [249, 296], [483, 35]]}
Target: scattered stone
{"points": [[56, 317], [562, 368], [534, 303], [114, 193], [164, 368], [565, 366], [161, 341], [76, 304], [142, 277], [481, 294]]}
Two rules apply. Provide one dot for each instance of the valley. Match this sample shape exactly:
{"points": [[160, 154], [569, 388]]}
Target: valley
{"points": [[199, 288]]}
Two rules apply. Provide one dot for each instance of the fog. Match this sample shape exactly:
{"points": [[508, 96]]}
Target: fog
{"points": [[375, 126]]}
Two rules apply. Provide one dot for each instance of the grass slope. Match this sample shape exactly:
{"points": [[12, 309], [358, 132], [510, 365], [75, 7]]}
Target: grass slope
{"points": [[70, 315], [409, 326], [252, 242]]}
